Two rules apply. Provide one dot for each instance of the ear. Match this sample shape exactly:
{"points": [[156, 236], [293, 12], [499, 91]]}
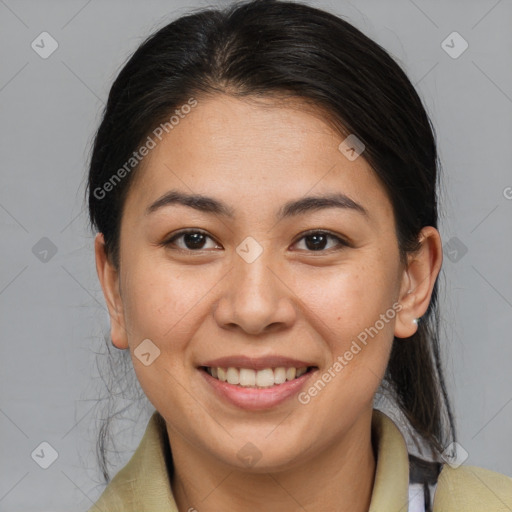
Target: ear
{"points": [[418, 281], [109, 279]]}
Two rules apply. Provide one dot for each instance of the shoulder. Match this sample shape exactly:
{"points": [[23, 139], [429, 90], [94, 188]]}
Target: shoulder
{"points": [[144, 482], [472, 489], [112, 499]]}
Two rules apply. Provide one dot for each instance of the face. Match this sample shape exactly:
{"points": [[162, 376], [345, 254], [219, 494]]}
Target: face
{"points": [[265, 282]]}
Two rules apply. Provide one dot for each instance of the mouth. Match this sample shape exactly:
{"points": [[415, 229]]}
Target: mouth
{"points": [[255, 384], [258, 379]]}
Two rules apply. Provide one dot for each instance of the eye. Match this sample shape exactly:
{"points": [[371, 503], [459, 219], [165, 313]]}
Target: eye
{"points": [[196, 240], [191, 240], [319, 241]]}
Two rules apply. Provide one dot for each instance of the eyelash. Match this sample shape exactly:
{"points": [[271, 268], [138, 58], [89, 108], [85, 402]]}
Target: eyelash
{"points": [[341, 243]]}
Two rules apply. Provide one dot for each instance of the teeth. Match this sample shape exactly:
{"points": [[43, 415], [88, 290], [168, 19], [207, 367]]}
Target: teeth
{"points": [[247, 377], [290, 373], [233, 376], [265, 378], [301, 371], [279, 375]]}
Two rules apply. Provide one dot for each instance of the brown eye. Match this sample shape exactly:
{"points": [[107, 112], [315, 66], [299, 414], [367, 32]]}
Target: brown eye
{"points": [[319, 241], [191, 240]]}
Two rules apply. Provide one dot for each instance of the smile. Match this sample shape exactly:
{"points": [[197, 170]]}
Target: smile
{"points": [[250, 378], [256, 389]]}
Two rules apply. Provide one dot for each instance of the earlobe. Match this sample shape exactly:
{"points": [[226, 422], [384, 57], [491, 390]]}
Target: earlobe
{"points": [[406, 322], [109, 279], [418, 282]]}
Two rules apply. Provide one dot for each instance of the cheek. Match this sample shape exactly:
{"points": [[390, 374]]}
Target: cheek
{"points": [[354, 314], [352, 309], [160, 302], [163, 306], [348, 298]]}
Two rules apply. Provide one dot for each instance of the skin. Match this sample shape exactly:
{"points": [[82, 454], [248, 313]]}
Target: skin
{"points": [[291, 301]]}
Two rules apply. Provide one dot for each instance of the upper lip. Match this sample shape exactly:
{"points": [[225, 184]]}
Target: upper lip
{"points": [[256, 363]]}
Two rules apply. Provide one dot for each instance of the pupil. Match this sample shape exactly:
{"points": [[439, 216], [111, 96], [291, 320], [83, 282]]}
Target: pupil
{"points": [[318, 242], [195, 240]]}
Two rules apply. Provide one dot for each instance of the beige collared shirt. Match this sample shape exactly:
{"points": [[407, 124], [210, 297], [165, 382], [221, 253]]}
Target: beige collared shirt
{"points": [[143, 484]]}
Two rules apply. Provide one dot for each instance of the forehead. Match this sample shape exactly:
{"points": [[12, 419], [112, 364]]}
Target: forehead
{"points": [[240, 149]]}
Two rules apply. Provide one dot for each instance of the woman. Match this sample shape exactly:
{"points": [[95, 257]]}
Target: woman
{"points": [[263, 184]]}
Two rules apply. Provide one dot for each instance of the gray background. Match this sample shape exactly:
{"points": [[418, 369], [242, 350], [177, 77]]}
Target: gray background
{"points": [[52, 313]]}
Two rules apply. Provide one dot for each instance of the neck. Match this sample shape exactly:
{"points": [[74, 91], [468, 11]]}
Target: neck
{"points": [[339, 478]]}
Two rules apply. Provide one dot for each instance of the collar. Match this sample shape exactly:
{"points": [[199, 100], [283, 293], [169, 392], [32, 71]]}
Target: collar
{"points": [[143, 483]]}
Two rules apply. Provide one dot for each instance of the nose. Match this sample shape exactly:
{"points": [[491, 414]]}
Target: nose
{"points": [[255, 298]]}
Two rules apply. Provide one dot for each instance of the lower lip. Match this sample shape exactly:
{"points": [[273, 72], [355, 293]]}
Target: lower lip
{"points": [[256, 399]]}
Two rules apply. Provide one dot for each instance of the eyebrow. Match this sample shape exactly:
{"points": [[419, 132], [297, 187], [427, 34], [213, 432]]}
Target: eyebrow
{"points": [[300, 206]]}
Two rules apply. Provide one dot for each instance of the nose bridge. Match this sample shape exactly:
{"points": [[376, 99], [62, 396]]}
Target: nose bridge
{"points": [[255, 298], [254, 279]]}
